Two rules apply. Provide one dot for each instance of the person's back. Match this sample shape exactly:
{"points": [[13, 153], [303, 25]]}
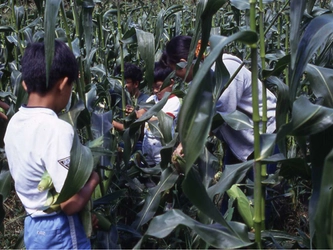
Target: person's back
{"points": [[37, 141], [238, 96]]}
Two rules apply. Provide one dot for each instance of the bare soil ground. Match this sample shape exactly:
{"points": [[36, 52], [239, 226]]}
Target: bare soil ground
{"points": [[13, 222]]}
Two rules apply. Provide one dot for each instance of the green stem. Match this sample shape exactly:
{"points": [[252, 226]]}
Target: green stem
{"points": [[63, 14], [123, 101], [256, 120], [276, 17]]}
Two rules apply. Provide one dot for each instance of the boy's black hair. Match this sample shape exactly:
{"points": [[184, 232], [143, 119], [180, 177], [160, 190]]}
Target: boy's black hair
{"points": [[161, 69], [131, 71], [34, 69], [178, 48]]}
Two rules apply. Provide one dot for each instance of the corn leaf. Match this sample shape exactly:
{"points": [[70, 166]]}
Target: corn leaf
{"points": [[168, 178], [82, 161], [316, 33], [321, 82], [297, 8], [323, 220], [307, 119], [197, 194], [146, 48], [80, 169], [50, 16], [215, 235], [232, 174], [243, 205]]}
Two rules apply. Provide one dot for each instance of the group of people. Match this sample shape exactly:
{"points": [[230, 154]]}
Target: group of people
{"points": [[36, 140]]}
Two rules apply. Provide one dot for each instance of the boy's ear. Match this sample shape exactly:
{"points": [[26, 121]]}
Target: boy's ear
{"points": [[62, 83], [24, 85]]}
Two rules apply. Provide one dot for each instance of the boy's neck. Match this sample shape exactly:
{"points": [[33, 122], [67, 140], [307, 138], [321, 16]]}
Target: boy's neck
{"points": [[41, 101]]}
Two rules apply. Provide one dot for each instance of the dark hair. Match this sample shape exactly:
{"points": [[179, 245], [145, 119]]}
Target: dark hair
{"points": [[178, 48], [161, 69], [131, 71], [34, 70]]}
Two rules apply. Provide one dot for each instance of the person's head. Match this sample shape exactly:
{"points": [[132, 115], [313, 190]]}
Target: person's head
{"points": [[34, 70], [161, 72], [177, 50], [133, 75], [63, 73]]}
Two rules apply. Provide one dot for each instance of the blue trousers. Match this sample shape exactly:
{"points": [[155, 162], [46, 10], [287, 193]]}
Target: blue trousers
{"points": [[55, 232]]}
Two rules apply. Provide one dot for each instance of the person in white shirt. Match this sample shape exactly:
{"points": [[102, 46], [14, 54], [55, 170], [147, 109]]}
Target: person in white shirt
{"points": [[237, 96]]}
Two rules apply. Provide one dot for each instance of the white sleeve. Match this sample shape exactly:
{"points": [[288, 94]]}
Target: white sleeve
{"points": [[58, 154], [172, 107]]}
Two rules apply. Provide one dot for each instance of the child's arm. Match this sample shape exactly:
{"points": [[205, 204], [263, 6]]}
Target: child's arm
{"points": [[78, 201]]}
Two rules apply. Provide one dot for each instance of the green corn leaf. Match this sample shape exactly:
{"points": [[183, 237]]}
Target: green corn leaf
{"points": [[323, 230], [321, 82], [146, 48], [243, 205], [215, 235], [168, 178], [50, 16], [297, 8], [165, 123], [232, 174], [87, 24], [197, 194], [80, 169], [307, 119], [316, 33]]}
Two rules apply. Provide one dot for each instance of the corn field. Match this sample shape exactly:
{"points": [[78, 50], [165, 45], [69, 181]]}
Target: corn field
{"points": [[287, 43]]}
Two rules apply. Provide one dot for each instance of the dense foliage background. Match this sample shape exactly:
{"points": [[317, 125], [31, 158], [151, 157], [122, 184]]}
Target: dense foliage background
{"points": [[286, 42]]}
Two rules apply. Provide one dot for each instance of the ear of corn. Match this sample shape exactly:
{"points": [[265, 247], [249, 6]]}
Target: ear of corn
{"points": [[52, 196], [45, 182]]}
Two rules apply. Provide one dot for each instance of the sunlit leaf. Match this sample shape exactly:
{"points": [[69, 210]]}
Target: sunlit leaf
{"points": [[50, 16], [214, 234], [243, 205], [307, 119], [321, 80], [168, 179], [146, 47], [313, 37]]}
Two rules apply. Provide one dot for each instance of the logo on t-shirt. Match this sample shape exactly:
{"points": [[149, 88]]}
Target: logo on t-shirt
{"points": [[65, 162]]}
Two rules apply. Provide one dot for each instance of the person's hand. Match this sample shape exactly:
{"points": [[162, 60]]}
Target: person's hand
{"points": [[177, 159], [140, 112], [94, 221], [129, 109], [4, 106], [179, 150], [94, 179]]}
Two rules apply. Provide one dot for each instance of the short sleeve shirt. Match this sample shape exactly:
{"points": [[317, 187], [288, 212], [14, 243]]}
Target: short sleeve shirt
{"points": [[36, 141]]}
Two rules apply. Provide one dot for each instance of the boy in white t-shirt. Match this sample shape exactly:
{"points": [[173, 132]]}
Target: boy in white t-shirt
{"points": [[152, 142], [36, 141]]}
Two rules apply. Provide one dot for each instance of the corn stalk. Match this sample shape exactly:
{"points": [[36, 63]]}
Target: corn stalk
{"points": [[258, 194]]}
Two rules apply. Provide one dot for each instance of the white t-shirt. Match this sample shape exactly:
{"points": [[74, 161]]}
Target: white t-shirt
{"points": [[238, 96], [37, 140], [152, 145]]}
